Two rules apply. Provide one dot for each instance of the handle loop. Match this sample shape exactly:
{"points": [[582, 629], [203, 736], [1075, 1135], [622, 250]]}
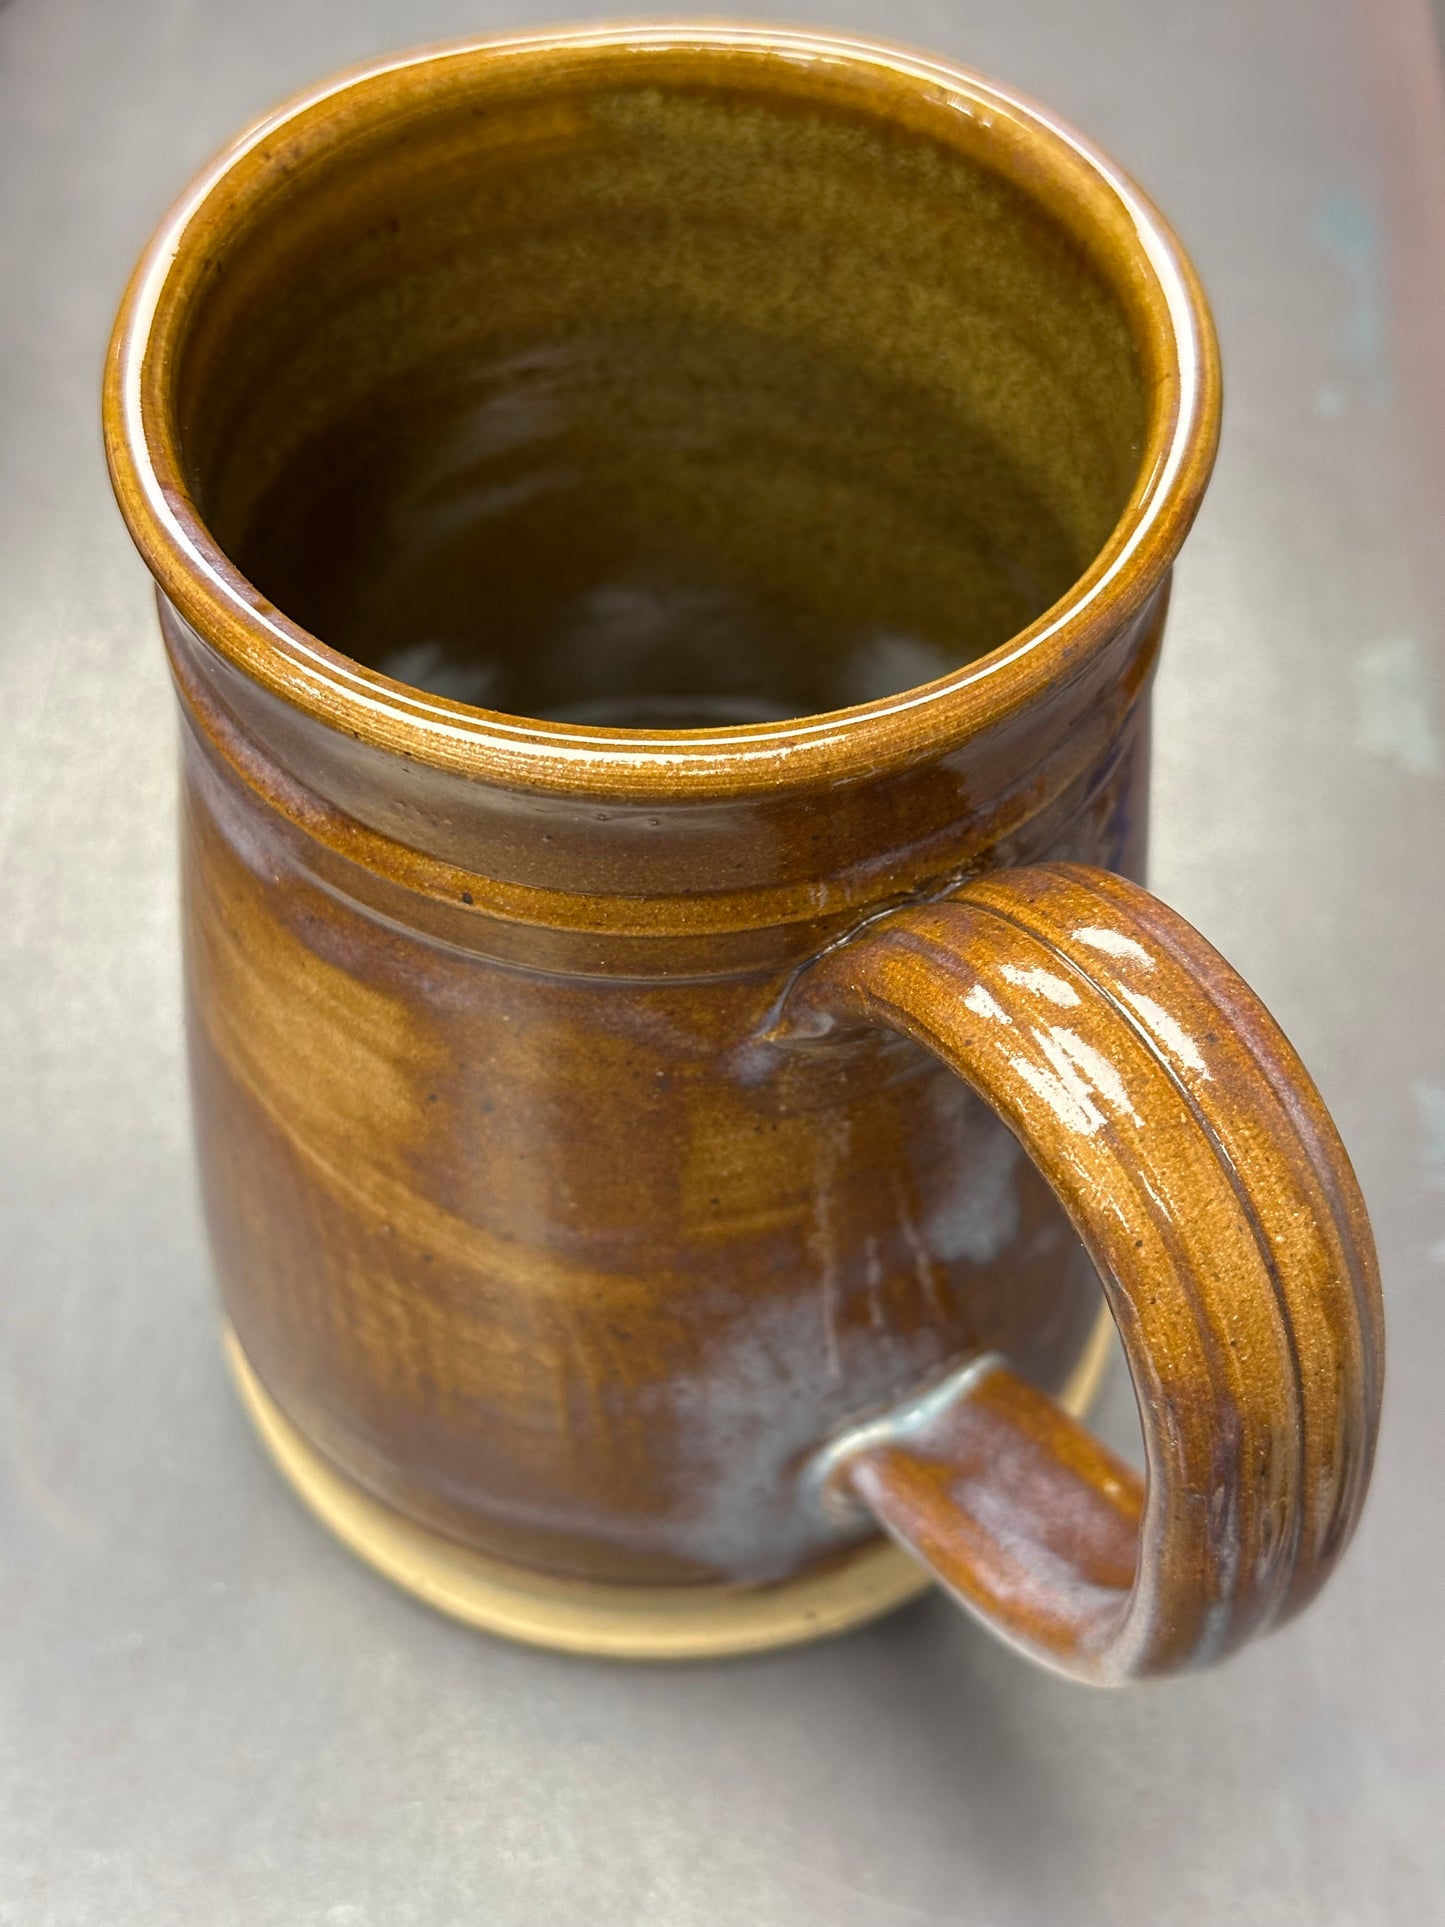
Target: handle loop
{"points": [[1196, 1160]]}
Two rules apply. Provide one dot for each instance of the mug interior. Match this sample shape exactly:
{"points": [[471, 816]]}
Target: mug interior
{"points": [[658, 405]]}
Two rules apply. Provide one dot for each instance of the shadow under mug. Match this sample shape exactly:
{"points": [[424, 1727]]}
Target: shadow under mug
{"points": [[663, 534]]}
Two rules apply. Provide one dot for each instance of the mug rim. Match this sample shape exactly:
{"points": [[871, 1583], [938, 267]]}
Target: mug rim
{"points": [[815, 751]]}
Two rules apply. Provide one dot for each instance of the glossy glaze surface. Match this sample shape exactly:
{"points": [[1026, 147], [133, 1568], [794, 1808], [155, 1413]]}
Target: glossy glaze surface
{"points": [[672, 395], [616, 1622], [1211, 1189], [273, 180], [187, 1657], [578, 1263], [527, 1213]]}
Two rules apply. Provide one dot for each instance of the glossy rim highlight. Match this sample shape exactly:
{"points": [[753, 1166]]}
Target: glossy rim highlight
{"points": [[1132, 244]]}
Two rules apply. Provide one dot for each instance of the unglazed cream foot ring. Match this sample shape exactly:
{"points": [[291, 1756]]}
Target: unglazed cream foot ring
{"points": [[615, 1622]]}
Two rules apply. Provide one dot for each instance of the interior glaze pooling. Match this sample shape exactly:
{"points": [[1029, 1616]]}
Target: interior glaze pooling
{"points": [[664, 408]]}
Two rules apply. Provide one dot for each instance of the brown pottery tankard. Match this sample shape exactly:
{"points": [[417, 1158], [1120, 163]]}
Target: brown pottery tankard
{"points": [[663, 536]]}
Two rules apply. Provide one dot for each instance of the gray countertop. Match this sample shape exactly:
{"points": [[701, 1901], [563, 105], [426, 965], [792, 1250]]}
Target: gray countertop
{"points": [[208, 1712]]}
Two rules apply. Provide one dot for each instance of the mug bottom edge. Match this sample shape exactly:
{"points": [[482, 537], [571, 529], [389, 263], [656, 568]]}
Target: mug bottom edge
{"points": [[584, 1617]]}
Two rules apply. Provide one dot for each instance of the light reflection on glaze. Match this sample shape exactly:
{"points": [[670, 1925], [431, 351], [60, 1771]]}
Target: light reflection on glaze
{"points": [[1101, 1074], [1064, 1092], [1113, 943], [1235, 1254], [982, 1003], [1167, 1030], [1046, 983]]}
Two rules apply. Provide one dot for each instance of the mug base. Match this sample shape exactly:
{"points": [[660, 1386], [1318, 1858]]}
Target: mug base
{"points": [[578, 1616]]}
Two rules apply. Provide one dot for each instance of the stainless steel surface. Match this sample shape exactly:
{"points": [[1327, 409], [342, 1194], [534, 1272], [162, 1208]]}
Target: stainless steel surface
{"points": [[208, 1712]]}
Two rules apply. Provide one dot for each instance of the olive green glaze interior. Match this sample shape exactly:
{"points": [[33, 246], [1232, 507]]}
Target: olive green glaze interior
{"points": [[660, 406]]}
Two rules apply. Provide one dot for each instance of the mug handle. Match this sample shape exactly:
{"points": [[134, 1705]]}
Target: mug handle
{"points": [[1196, 1160]]}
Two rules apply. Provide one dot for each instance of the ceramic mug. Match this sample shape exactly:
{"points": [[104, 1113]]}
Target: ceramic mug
{"points": [[663, 535]]}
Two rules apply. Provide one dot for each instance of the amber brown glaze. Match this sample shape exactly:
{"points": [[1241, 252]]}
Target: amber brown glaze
{"points": [[792, 383], [1195, 1158], [623, 1622]]}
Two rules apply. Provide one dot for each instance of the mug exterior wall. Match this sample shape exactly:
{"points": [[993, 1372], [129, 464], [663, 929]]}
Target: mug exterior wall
{"points": [[528, 1220], [527, 1225]]}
